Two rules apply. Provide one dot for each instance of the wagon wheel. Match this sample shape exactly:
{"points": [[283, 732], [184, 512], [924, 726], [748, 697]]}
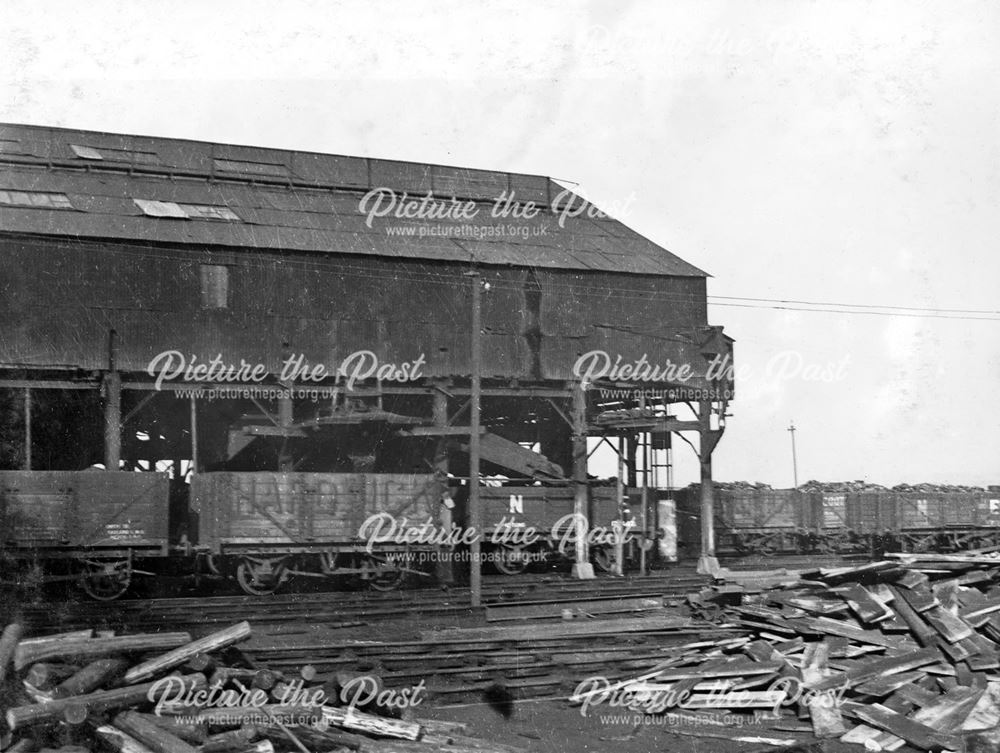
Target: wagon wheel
{"points": [[382, 574], [764, 546], [106, 580], [261, 576], [603, 558], [512, 560]]}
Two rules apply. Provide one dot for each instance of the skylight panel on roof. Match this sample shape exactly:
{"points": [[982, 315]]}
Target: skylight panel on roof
{"points": [[114, 155], [35, 199]]}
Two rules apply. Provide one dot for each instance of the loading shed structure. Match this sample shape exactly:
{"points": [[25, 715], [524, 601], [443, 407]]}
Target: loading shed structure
{"points": [[203, 307]]}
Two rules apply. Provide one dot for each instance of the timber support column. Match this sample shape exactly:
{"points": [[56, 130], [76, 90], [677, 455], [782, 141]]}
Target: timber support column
{"points": [[445, 567], [27, 428], [709, 438], [286, 408], [112, 408], [581, 566]]}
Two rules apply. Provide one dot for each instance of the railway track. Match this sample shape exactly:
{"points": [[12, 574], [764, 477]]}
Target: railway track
{"points": [[354, 608], [346, 608]]}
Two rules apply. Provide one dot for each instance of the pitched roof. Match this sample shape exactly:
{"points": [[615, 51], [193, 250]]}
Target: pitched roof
{"points": [[191, 192]]}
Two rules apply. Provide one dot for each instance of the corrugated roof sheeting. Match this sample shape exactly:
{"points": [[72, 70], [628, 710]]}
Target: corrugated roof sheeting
{"points": [[299, 219]]}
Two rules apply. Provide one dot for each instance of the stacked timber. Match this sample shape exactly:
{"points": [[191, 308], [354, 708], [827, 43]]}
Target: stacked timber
{"points": [[166, 693], [884, 655]]}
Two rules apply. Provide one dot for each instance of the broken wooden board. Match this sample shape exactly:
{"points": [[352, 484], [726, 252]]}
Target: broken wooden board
{"points": [[864, 604], [919, 735], [950, 627], [823, 712], [837, 627], [879, 667]]}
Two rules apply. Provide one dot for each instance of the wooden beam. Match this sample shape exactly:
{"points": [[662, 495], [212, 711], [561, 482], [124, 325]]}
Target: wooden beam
{"points": [[47, 384], [112, 386], [630, 426], [438, 431]]}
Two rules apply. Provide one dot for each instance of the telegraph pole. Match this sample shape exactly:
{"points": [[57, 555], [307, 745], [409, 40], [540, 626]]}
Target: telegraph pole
{"points": [[795, 465]]}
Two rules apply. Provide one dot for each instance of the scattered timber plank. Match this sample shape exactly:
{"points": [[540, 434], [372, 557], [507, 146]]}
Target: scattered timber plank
{"points": [[920, 600], [883, 686], [823, 712], [864, 604], [154, 737], [878, 667], [836, 627], [924, 634], [915, 733], [212, 642], [102, 700], [91, 677], [559, 630], [744, 699], [8, 646], [92, 648], [951, 628], [73, 635], [497, 613]]}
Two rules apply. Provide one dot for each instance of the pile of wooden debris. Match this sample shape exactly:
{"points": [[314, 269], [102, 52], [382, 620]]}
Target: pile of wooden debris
{"points": [[893, 653], [166, 693]]}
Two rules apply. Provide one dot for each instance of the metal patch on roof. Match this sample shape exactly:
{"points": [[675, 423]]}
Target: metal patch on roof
{"points": [[12, 146], [160, 208], [180, 211], [86, 152], [209, 212]]}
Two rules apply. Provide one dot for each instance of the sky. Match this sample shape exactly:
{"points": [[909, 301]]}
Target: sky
{"points": [[830, 152]]}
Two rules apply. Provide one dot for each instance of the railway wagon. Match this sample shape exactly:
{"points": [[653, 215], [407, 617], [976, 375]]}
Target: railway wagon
{"points": [[771, 521], [925, 522], [87, 526], [266, 527], [508, 511]]}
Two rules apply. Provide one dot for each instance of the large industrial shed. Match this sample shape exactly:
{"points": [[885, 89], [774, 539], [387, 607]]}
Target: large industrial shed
{"points": [[116, 249]]}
